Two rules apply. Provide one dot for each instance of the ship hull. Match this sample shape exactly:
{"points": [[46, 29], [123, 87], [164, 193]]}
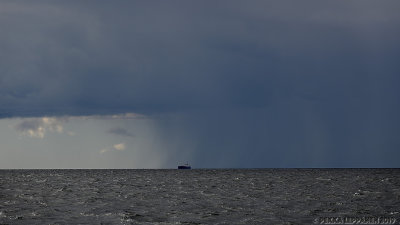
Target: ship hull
{"points": [[184, 167]]}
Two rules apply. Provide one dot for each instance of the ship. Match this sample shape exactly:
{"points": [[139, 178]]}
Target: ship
{"points": [[185, 166]]}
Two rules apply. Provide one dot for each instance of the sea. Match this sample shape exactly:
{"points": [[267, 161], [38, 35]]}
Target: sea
{"points": [[200, 196]]}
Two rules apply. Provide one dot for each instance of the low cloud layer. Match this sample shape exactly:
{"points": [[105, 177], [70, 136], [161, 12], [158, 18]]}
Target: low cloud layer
{"points": [[38, 127]]}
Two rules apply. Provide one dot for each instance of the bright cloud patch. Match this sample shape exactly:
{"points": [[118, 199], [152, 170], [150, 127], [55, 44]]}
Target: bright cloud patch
{"points": [[116, 147], [119, 147], [38, 127], [103, 150]]}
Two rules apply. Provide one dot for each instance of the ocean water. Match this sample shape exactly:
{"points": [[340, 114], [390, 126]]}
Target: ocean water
{"points": [[198, 196]]}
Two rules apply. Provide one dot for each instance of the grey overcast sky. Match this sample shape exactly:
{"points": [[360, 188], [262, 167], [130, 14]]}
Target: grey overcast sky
{"points": [[146, 84]]}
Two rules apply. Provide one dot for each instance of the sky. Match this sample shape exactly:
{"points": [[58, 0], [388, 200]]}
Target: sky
{"points": [[218, 84]]}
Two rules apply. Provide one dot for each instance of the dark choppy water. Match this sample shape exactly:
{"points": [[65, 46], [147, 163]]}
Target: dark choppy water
{"points": [[262, 196]]}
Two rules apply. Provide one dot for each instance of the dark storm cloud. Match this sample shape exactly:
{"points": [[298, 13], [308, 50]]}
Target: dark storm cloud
{"points": [[285, 77], [72, 58], [120, 131]]}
